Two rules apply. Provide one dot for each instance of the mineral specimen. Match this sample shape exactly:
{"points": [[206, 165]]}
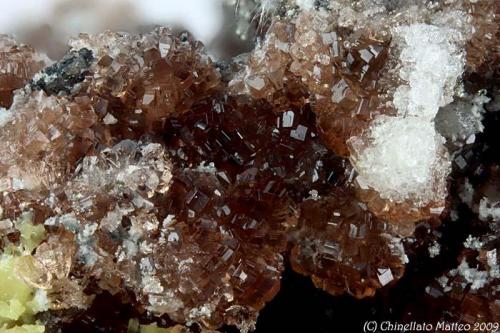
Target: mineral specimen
{"points": [[340, 74], [138, 171], [20, 302], [137, 81], [344, 248], [18, 64], [42, 141], [471, 286]]}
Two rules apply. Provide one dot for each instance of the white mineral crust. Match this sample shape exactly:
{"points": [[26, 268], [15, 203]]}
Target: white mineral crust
{"points": [[403, 157]]}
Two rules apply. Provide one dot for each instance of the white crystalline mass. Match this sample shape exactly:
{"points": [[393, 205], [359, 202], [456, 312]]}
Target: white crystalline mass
{"points": [[473, 243], [434, 249], [41, 301], [109, 119], [489, 209], [492, 260], [431, 64], [5, 117], [403, 157], [305, 4], [475, 277]]}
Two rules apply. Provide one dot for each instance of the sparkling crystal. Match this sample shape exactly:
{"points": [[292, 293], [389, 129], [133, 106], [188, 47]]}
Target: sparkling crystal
{"points": [[177, 187], [345, 248], [18, 64]]}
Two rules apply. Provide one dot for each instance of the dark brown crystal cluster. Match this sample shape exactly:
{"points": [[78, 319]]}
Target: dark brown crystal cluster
{"points": [[183, 187]]}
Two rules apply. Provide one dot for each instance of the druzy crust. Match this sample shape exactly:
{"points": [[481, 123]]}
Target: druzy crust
{"points": [[139, 171]]}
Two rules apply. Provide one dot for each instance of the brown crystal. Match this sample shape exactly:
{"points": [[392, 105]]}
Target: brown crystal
{"points": [[481, 52], [190, 249], [43, 140], [344, 248], [179, 186], [194, 221], [137, 81], [340, 72], [402, 216], [18, 64]]}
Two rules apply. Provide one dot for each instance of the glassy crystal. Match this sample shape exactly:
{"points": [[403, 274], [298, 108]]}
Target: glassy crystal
{"points": [[18, 64], [345, 248], [175, 188]]}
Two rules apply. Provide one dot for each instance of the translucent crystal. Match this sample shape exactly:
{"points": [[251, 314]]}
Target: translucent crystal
{"points": [[18, 64], [345, 248], [175, 186], [46, 134]]}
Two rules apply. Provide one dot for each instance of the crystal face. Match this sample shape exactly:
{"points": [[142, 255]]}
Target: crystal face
{"points": [[18, 64], [139, 172], [353, 251]]}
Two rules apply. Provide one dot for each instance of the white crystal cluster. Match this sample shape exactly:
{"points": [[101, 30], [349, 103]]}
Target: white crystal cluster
{"points": [[5, 117], [431, 64], [118, 171], [305, 4], [403, 157], [489, 209], [460, 121]]}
